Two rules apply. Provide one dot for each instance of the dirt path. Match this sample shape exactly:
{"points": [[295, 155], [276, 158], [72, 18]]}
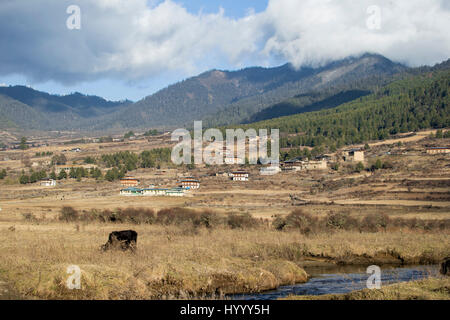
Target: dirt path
{"points": [[386, 202], [251, 192]]}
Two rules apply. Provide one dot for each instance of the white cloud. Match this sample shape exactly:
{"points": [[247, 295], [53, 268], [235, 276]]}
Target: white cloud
{"points": [[128, 39], [312, 31]]}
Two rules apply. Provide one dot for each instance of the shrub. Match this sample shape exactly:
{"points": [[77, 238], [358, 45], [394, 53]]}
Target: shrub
{"points": [[279, 222], [302, 221], [208, 219], [241, 221], [137, 216], [359, 167], [375, 221], [341, 221], [175, 216], [69, 214], [29, 217]]}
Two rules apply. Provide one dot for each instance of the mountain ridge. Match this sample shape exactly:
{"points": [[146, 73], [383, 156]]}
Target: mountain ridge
{"points": [[218, 97], [244, 92]]}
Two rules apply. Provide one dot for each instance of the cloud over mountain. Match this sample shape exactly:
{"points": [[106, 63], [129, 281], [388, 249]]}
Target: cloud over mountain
{"points": [[132, 39]]}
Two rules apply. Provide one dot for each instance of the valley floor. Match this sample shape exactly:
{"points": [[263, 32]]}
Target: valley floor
{"points": [[188, 261]]}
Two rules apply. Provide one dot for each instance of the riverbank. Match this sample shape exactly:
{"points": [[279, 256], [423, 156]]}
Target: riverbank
{"points": [[427, 289], [176, 262]]}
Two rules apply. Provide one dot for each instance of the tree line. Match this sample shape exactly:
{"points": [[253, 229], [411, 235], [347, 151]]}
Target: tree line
{"points": [[413, 104]]}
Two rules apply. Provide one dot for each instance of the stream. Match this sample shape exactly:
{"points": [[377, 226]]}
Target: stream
{"points": [[343, 279]]}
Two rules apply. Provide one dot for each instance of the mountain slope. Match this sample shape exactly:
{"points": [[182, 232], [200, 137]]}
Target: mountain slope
{"points": [[307, 103], [223, 97], [31, 109], [418, 102], [218, 98]]}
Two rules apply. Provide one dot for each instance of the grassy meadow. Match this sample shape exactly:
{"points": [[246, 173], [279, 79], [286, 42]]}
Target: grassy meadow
{"points": [[190, 258]]}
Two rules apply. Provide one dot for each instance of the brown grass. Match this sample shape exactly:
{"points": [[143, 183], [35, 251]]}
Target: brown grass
{"points": [[172, 262]]}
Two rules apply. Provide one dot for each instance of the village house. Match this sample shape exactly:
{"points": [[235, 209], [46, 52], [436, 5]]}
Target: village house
{"points": [[315, 165], [131, 191], [153, 192], [175, 192], [293, 165], [48, 183], [438, 150], [239, 176], [190, 183], [353, 155], [129, 182], [301, 163]]}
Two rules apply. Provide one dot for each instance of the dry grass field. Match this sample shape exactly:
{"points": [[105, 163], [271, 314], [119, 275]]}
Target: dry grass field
{"points": [[186, 261], [178, 262]]}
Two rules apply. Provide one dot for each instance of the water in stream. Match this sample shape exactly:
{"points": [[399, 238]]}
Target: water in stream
{"points": [[343, 280]]}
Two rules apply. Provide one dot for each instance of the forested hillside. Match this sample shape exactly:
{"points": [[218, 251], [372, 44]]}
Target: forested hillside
{"points": [[224, 97], [27, 108], [419, 102], [308, 103]]}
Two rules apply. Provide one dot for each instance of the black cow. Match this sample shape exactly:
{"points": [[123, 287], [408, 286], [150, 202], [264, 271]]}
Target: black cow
{"points": [[124, 240], [445, 266]]}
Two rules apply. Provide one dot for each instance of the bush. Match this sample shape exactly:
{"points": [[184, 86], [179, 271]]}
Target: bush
{"points": [[69, 214], [136, 216], [29, 217], [375, 221], [341, 221], [279, 222], [175, 216], [302, 221], [241, 221], [359, 167]]}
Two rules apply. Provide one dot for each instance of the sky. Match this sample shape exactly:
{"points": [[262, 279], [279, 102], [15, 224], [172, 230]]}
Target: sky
{"points": [[128, 49]]}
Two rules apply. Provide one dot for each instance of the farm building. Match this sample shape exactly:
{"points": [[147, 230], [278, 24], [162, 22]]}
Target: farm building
{"points": [[315, 165], [353, 155], [293, 165], [239, 176], [438, 150], [152, 192], [129, 182], [190, 183], [299, 164], [131, 191], [175, 192], [48, 183]]}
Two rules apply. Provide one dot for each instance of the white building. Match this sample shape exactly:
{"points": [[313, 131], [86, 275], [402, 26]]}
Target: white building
{"points": [[354, 155], [190, 183], [239, 176], [153, 192], [48, 183]]}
